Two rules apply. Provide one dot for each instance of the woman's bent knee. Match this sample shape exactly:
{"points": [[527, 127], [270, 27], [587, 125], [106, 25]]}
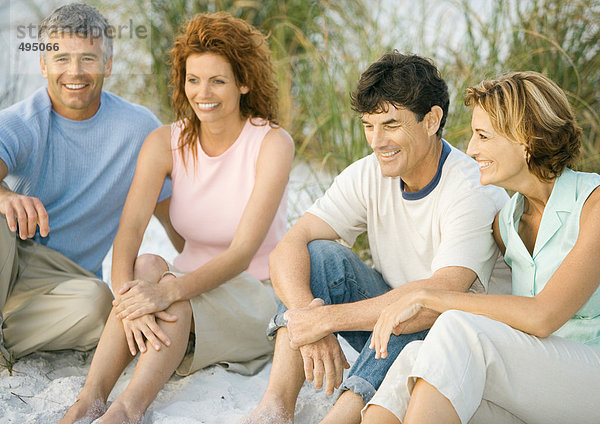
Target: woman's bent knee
{"points": [[149, 263]]}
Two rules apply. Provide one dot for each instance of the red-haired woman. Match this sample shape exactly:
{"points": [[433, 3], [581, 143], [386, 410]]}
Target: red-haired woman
{"points": [[229, 163]]}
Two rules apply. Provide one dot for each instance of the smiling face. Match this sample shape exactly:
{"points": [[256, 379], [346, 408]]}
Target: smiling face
{"points": [[501, 161], [211, 88], [75, 74], [403, 146]]}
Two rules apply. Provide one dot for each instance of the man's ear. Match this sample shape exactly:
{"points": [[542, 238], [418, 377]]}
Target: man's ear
{"points": [[43, 67], [433, 120], [108, 68]]}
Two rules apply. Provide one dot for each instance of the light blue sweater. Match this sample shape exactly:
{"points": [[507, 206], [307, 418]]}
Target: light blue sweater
{"points": [[80, 170]]}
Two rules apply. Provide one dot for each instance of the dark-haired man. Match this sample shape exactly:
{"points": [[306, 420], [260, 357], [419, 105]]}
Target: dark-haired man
{"points": [[67, 158], [428, 221]]}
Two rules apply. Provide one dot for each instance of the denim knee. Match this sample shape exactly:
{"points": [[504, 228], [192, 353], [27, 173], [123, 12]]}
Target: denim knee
{"points": [[338, 275], [326, 266], [333, 278]]}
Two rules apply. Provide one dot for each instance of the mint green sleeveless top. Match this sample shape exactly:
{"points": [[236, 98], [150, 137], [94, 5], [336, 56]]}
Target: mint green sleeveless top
{"points": [[558, 232]]}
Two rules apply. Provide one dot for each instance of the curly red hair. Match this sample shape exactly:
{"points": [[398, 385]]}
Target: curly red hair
{"points": [[246, 50]]}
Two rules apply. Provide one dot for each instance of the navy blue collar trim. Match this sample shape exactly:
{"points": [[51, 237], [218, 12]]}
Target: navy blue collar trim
{"points": [[416, 195]]}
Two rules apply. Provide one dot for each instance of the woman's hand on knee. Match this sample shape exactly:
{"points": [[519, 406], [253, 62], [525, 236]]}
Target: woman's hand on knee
{"points": [[138, 297], [145, 329]]}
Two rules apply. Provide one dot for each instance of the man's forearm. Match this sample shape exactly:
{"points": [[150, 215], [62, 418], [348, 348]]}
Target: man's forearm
{"points": [[358, 317], [290, 273], [312, 323], [362, 315]]}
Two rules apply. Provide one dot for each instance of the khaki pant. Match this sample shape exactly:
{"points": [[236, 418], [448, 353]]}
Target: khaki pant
{"points": [[230, 326], [48, 302]]}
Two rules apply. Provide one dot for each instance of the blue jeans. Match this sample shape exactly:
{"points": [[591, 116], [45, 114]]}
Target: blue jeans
{"points": [[337, 276]]}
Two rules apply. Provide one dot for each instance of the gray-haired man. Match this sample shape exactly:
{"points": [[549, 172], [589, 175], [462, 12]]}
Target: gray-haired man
{"points": [[67, 158]]}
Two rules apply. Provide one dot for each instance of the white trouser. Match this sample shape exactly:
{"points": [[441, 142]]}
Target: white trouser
{"points": [[492, 373]]}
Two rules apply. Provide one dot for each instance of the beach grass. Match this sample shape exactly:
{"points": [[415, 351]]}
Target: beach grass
{"points": [[320, 47]]}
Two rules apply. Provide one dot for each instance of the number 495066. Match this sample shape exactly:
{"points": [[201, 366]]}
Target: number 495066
{"points": [[34, 47]]}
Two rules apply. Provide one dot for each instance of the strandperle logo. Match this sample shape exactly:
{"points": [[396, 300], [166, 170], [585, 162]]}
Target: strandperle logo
{"points": [[127, 30]]}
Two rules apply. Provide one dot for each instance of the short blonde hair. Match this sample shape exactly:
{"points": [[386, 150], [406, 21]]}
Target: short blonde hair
{"points": [[530, 109]]}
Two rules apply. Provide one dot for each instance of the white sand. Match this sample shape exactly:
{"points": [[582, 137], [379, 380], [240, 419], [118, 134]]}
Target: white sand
{"points": [[43, 385]]}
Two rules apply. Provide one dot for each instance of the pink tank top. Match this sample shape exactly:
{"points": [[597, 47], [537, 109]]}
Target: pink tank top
{"points": [[208, 200]]}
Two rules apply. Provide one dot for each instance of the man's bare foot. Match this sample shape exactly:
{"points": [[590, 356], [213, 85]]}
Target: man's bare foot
{"points": [[84, 412], [119, 414], [269, 412]]}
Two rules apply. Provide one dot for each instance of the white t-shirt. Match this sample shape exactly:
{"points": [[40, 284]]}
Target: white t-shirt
{"points": [[414, 234]]}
